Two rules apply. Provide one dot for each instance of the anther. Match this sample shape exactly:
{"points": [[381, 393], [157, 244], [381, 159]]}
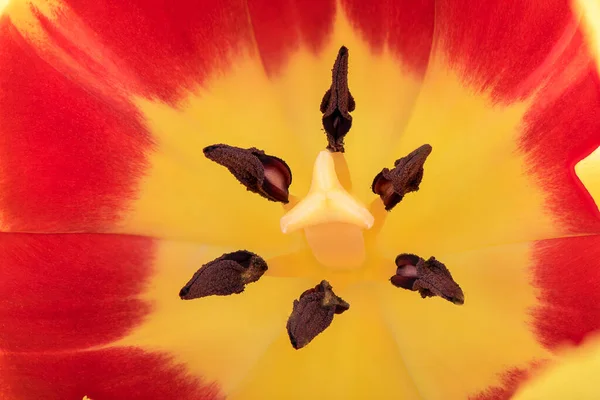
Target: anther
{"points": [[313, 313], [392, 185], [261, 173], [337, 104], [225, 275], [430, 278]]}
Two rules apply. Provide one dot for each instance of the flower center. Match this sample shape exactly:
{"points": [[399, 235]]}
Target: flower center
{"points": [[332, 220]]}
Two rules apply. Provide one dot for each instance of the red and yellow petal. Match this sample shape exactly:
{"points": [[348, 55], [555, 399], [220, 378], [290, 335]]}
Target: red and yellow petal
{"points": [[69, 160], [68, 296], [221, 337], [404, 28], [455, 352], [512, 165], [509, 141], [571, 376]]}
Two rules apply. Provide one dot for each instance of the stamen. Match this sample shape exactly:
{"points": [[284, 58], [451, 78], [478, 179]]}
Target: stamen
{"points": [[405, 177], [266, 175], [337, 104], [430, 278], [332, 219], [225, 275], [313, 313]]}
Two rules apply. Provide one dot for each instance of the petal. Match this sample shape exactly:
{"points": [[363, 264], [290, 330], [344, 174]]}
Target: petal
{"points": [[454, 352], [113, 373], [104, 184], [71, 291], [189, 96], [567, 310], [510, 381], [508, 327], [567, 274], [69, 159], [511, 46], [279, 121], [502, 172], [571, 376], [403, 27], [280, 28], [217, 337], [502, 166], [355, 357]]}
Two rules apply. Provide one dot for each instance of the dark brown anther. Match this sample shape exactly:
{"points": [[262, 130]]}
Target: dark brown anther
{"points": [[225, 275], [430, 278], [337, 104], [313, 313], [405, 177], [261, 173]]}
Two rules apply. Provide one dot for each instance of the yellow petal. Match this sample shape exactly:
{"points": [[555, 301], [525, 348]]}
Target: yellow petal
{"points": [[355, 358], [475, 190], [219, 337], [453, 351], [183, 189]]}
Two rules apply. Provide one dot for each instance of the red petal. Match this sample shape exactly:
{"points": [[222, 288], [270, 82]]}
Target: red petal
{"points": [[167, 47], [172, 48], [406, 26], [498, 44], [113, 374], [568, 273], [70, 291], [50, 116], [279, 27], [558, 135]]}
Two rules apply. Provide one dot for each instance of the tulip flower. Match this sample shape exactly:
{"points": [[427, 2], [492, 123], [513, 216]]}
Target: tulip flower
{"points": [[293, 199]]}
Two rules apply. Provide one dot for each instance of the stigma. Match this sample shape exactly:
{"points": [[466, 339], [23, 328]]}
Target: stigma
{"points": [[332, 220]]}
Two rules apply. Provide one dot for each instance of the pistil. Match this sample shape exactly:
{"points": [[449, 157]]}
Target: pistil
{"points": [[332, 220]]}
